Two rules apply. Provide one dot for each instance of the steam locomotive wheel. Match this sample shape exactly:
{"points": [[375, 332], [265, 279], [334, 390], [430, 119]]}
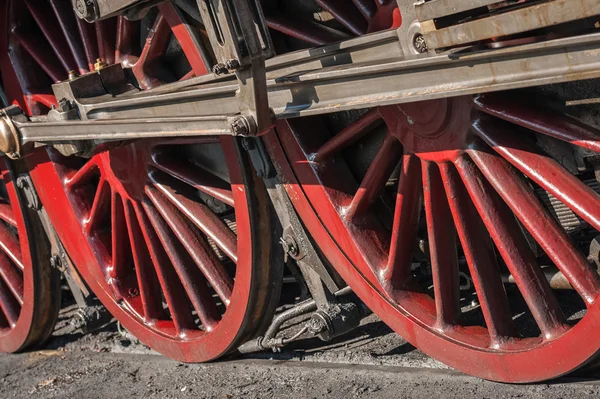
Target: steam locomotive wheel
{"points": [[426, 209], [169, 234], [453, 196], [29, 287]]}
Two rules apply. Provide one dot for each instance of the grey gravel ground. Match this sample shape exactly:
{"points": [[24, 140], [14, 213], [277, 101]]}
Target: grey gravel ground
{"points": [[370, 362], [86, 374]]}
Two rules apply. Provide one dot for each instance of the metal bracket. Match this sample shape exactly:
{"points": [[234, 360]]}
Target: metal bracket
{"points": [[25, 184], [320, 281], [241, 42], [258, 156]]}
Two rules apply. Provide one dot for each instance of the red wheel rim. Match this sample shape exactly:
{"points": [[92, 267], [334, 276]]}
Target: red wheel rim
{"points": [[153, 232], [470, 173], [29, 289]]}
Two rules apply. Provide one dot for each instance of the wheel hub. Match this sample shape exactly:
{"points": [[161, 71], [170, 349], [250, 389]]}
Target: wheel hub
{"points": [[126, 168], [433, 130]]}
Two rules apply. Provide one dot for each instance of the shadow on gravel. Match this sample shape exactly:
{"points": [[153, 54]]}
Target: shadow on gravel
{"points": [[61, 341]]}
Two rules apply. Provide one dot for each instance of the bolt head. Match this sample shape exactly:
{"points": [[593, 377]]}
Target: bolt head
{"points": [[420, 44], [100, 64], [240, 127], [55, 261], [232, 65], [220, 69]]}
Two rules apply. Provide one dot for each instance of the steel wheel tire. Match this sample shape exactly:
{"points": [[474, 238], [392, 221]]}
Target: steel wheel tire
{"points": [[474, 177], [29, 286], [170, 235]]}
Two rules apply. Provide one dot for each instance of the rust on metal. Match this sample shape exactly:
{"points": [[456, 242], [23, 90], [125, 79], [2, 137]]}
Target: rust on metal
{"points": [[522, 19]]}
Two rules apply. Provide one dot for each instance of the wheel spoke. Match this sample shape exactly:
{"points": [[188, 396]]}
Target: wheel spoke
{"points": [[83, 175], [7, 214], [106, 34], [349, 135], [543, 170], [366, 7], [540, 224], [38, 50], [511, 244], [154, 48], [195, 245], [193, 282], [87, 32], [186, 36], [406, 222], [121, 252], [377, 175], [100, 206], [199, 214], [350, 17], [146, 277], [12, 278], [481, 259], [63, 12], [9, 305], [541, 120], [172, 288], [127, 39], [306, 31], [194, 176], [10, 245], [53, 34], [442, 247]]}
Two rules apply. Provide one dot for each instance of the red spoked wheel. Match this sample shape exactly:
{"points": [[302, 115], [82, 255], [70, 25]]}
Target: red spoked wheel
{"points": [[459, 192], [411, 203], [173, 236], [29, 287]]}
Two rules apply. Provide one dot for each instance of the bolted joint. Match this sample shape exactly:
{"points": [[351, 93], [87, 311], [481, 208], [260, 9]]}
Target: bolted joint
{"points": [[420, 44], [243, 126], [86, 9], [232, 65], [220, 69], [56, 263], [290, 247], [99, 65], [25, 184]]}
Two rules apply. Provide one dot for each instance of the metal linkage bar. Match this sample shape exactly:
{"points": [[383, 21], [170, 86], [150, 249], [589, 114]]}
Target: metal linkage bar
{"points": [[123, 129], [320, 81], [241, 42], [375, 81]]}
